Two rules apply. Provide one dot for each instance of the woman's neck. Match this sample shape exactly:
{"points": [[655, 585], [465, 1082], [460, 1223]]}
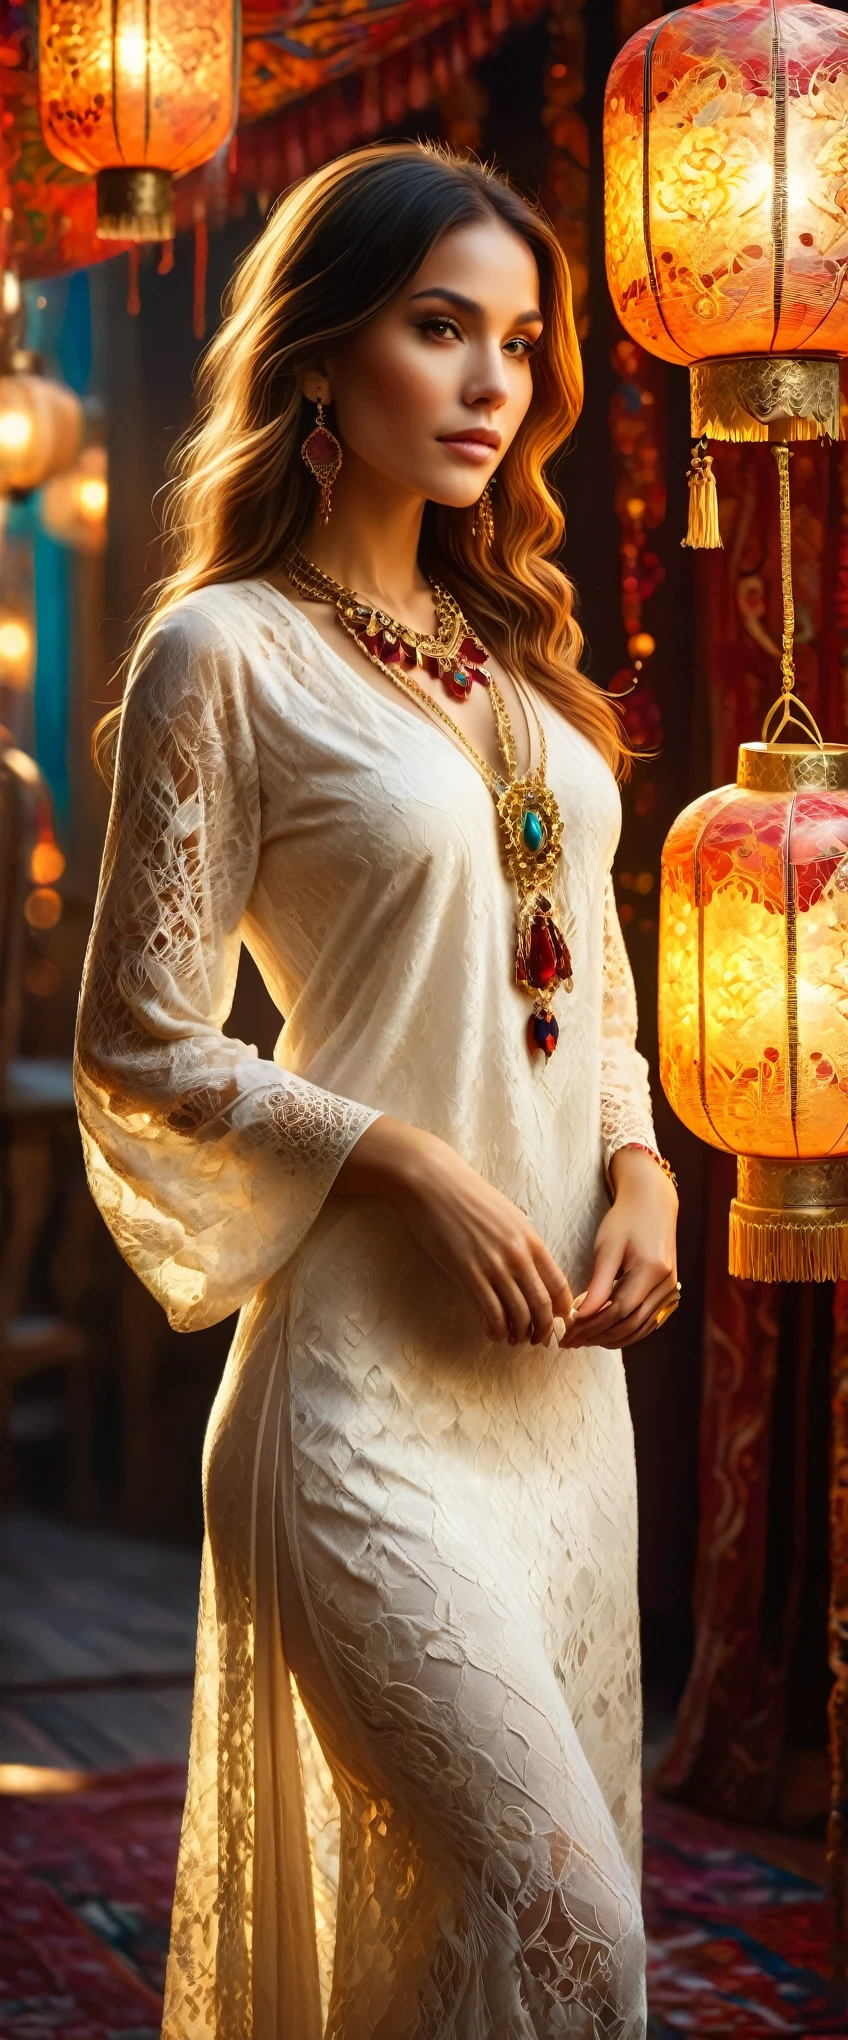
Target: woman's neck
{"points": [[370, 543]]}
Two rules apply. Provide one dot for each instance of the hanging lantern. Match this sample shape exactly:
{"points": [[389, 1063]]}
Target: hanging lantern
{"points": [[74, 505], [726, 155], [138, 91], [754, 1004], [41, 425]]}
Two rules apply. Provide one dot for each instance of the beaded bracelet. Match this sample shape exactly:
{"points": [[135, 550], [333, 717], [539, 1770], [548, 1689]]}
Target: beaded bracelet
{"points": [[660, 1160]]}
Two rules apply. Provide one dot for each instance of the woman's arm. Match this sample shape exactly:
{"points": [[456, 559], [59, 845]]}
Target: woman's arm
{"points": [[208, 1164], [635, 1253], [470, 1229]]}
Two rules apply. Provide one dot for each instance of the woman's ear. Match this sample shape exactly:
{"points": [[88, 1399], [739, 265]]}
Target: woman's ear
{"points": [[315, 383]]}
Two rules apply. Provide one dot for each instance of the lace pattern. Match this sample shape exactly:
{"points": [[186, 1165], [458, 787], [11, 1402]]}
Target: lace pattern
{"points": [[181, 1124], [414, 1802], [626, 1113]]}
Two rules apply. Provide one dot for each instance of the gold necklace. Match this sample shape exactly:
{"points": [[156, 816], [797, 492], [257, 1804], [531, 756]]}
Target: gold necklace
{"points": [[452, 653], [531, 823]]}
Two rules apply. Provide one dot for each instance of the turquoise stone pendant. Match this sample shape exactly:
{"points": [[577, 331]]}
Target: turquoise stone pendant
{"points": [[533, 830]]}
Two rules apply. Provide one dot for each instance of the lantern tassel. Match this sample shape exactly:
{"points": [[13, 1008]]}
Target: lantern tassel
{"points": [[703, 533], [772, 1247]]}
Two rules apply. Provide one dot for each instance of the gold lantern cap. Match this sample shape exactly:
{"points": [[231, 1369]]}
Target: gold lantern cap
{"points": [[777, 397], [135, 205], [791, 768]]}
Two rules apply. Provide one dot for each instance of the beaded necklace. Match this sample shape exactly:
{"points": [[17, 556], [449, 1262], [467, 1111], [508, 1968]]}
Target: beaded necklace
{"points": [[530, 820]]}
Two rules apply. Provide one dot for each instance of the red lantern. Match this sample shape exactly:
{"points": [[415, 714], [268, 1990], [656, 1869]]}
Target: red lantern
{"points": [[139, 91], [726, 145]]}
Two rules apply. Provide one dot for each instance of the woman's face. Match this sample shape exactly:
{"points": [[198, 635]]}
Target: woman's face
{"points": [[432, 391]]}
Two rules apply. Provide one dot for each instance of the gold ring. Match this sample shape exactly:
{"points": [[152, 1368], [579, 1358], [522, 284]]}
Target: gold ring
{"points": [[666, 1309]]}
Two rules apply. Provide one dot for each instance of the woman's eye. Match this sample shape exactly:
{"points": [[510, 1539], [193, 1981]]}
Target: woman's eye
{"points": [[440, 327], [521, 346]]}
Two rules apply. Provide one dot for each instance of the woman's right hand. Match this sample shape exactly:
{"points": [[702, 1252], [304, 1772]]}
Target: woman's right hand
{"points": [[471, 1230]]}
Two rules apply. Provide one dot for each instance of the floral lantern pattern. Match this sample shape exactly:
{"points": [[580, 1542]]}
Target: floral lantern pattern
{"points": [[754, 1006], [726, 149], [138, 91]]}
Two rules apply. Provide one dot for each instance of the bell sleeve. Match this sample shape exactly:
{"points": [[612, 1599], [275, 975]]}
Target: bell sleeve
{"points": [[208, 1164], [626, 1113]]}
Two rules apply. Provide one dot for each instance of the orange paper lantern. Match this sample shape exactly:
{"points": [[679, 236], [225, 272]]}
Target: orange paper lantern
{"points": [[138, 91], [41, 427], [726, 150], [754, 1009]]}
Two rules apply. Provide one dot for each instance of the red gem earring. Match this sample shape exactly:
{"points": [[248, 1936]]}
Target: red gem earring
{"points": [[323, 456]]}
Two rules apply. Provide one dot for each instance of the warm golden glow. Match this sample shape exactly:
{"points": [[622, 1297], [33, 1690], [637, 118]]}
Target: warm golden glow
{"points": [[74, 505], [43, 907], [10, 297], [92, 496], [16, 430], [125, 84], [17, 652], [131, 47], [754, 971], [727, 198], [46, 863]]}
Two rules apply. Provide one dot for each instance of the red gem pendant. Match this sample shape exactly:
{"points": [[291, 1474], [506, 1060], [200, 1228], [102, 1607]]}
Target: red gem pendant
{"points": [[542, 956], [542, 968]]}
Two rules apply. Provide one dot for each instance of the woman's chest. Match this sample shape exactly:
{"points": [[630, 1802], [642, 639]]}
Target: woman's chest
{"points": [[349, 779]]}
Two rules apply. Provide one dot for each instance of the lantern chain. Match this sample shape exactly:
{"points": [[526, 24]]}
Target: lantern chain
{"points": [[788, 708]]}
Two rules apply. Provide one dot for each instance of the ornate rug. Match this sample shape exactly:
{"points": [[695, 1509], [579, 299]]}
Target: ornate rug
{"points": [[739, 1940]]}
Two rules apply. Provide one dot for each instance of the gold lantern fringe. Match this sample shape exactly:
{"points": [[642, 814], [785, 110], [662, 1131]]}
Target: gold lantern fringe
{"points": [[703, 532], [772, 1247]]}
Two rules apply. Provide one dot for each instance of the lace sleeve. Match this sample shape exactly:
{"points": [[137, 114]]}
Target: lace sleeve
{"points": [[625, 1096], [208, 1164]]}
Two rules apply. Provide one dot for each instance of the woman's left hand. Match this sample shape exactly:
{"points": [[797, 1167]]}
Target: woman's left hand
{"points": [[635, 1268]]}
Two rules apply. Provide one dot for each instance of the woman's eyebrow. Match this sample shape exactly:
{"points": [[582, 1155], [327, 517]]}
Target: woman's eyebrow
{"points": [[465, 304]]}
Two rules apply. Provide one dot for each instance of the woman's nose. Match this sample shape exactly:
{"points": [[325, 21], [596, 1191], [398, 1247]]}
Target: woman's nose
{"points": [[487, 384]]}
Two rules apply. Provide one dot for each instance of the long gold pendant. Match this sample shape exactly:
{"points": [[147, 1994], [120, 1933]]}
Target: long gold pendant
{"points": [[530, 820], [531, 827]]}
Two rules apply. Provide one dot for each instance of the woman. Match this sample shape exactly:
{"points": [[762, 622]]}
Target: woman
{"points": [[419, 1478]]}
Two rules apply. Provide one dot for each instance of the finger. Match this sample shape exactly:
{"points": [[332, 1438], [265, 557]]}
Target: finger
{"points": [[631, 1288], [629, 1292], [494, 1315], [613, 1329], [515, 1305], [644, 1320], [540, 1306], [607, 1266], [526, 1304], [556, 1283]]}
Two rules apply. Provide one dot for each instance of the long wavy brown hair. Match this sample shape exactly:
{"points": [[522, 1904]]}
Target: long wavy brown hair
{"points": [[338, 247]]}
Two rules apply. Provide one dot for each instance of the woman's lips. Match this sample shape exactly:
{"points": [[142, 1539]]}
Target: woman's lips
{"points": [[479, 451]]}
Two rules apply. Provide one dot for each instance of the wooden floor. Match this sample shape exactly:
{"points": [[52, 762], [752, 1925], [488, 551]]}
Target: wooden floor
{"points": [[96, 1647]]}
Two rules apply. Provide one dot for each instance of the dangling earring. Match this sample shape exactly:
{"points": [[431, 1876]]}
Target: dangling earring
{"points": [[323, 456], [483, 517]]}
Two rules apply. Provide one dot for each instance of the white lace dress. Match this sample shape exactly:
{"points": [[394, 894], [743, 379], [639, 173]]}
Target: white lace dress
{"points": [[458, 1854]]}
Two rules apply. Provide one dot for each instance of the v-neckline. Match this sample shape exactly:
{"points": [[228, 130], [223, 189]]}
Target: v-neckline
{"points": [[410, 714]]}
